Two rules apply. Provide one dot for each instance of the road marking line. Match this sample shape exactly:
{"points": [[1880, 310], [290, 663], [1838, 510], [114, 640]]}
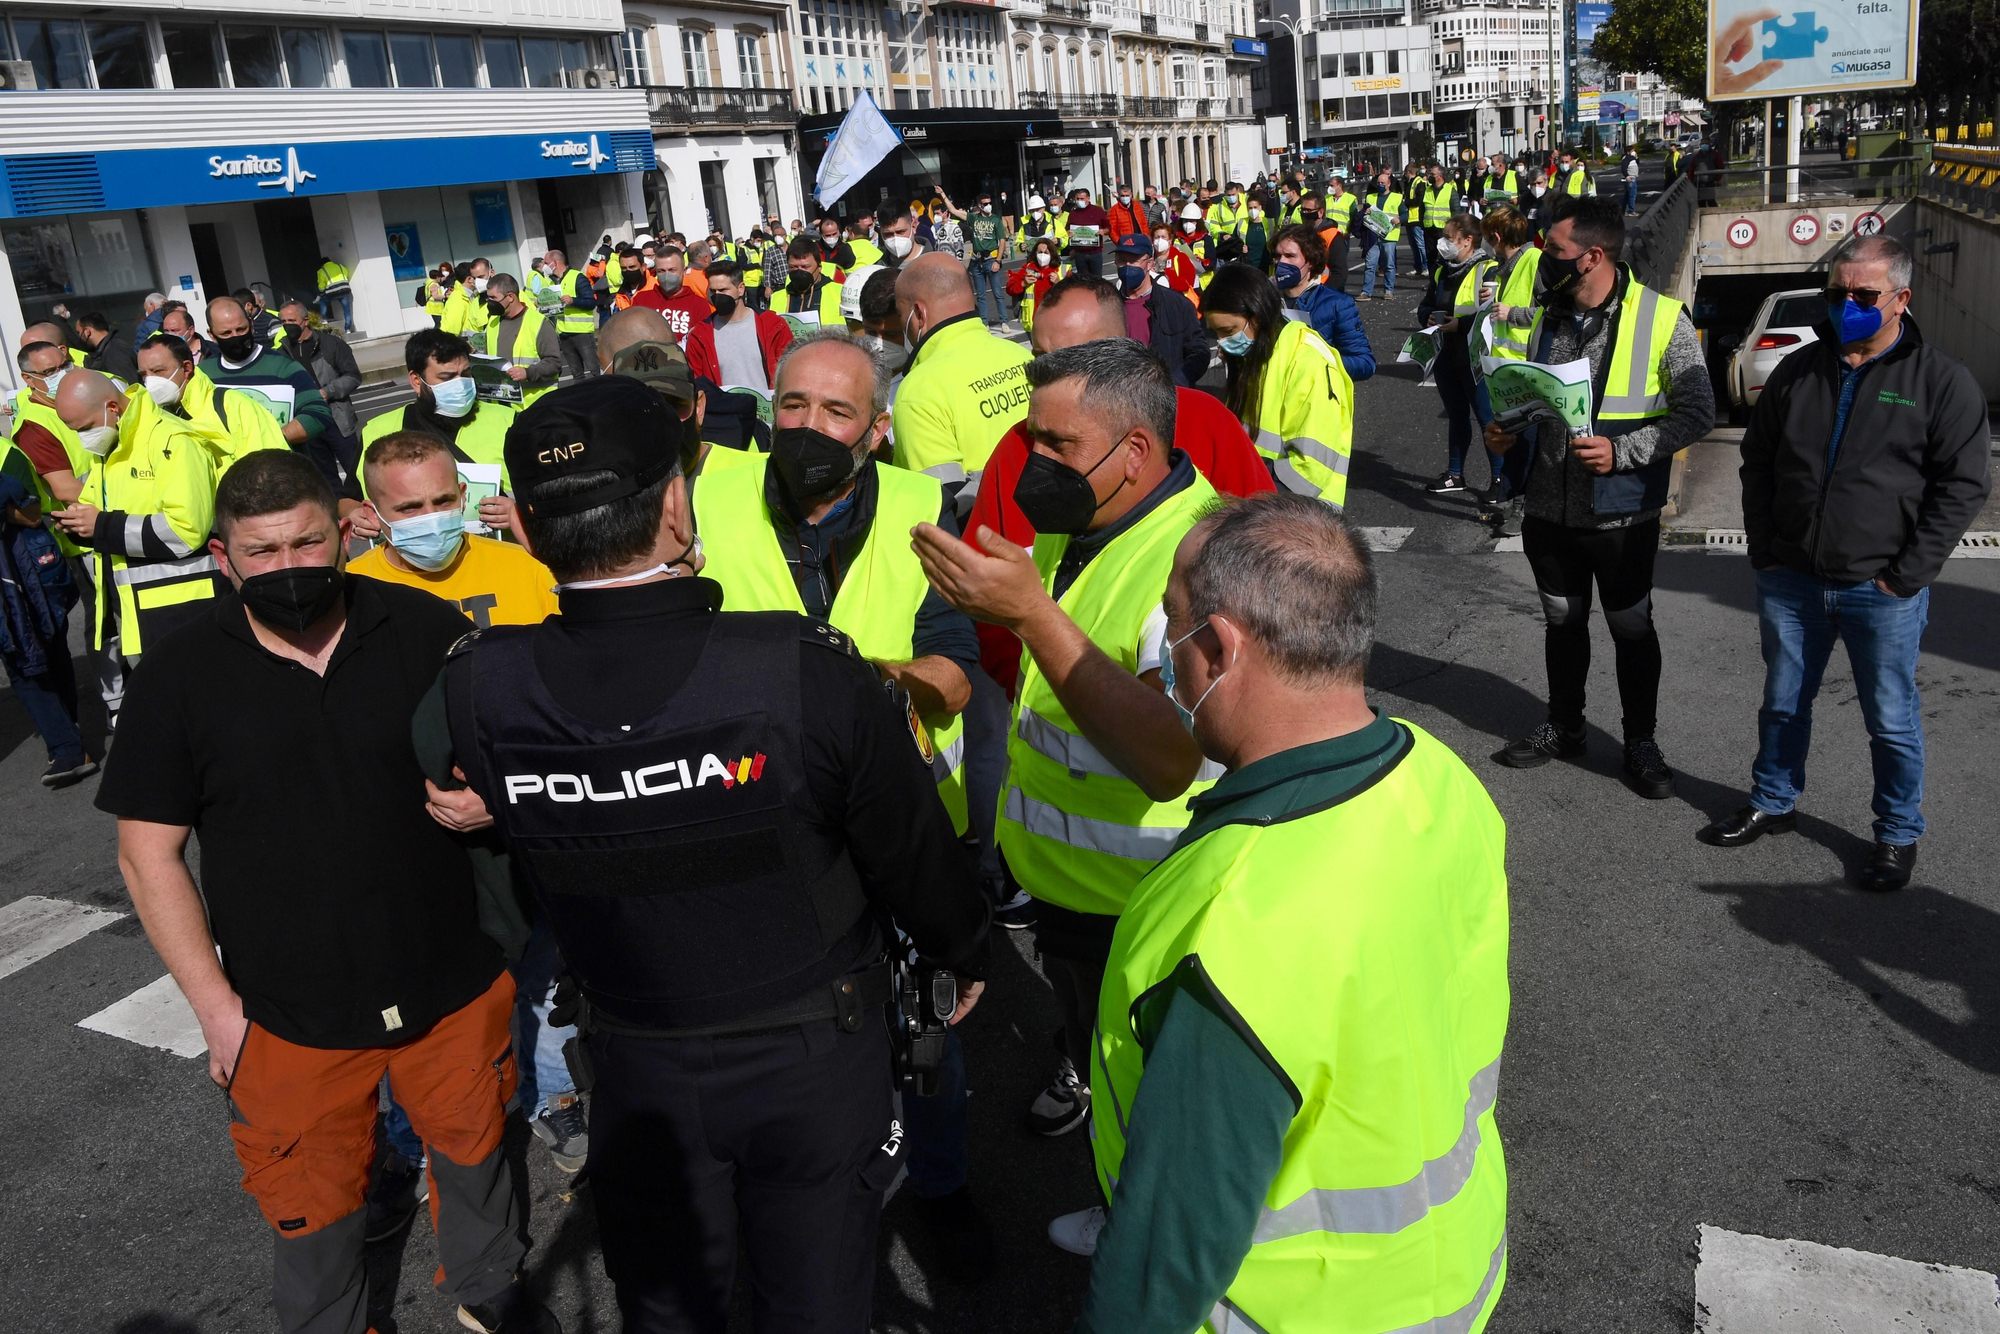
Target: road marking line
{"points": [[32, 928], [156, 1015], [1386, 539], [1757, 1285]]}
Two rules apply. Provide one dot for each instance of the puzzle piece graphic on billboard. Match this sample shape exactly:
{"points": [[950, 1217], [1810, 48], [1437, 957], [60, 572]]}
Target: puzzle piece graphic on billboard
{"points": [[1795, 42]]}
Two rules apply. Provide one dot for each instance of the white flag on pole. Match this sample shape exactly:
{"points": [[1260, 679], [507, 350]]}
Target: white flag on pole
{"points": [[863, 139]]}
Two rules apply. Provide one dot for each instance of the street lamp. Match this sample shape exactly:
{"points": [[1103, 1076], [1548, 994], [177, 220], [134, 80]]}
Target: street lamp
{"points": [[1299, 64]]}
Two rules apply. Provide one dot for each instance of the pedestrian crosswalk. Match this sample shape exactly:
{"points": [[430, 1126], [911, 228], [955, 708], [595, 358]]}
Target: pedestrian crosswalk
{"points": [[1746, 1284], [32, 928]]}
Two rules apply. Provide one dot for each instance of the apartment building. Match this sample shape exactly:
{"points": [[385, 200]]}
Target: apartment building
{"points": [[1498, 65], [199, 149], [1368, 73]]}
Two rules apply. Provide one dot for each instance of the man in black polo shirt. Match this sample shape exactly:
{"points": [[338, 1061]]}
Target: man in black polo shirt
{"points": [[278, 724]]}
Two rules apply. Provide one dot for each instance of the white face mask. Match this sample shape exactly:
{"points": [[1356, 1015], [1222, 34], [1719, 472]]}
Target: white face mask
{"points": [[650, 261], [898, 246], [163, 389], [1255, 212], [1044, 258], [478, 284], [1161, 245], [1447, 249], [1189, 227], [99, 440]]}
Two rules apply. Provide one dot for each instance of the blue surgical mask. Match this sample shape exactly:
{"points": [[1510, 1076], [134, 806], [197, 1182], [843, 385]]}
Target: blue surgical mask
{"points": [[1287, 276], [1857, 323], [1237, 344], [1132, 276], [429, 541], [1167, 680], [454, 397]]}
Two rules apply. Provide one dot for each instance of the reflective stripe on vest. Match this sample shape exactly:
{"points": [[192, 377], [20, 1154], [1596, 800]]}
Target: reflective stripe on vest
{"points": [[1341, 210], [1511, 340], [1076, 832], [1227, 1319], [160, 471], [1633, 389], [1305, 415], [1467, 299], [880, 593], [525, 353]]}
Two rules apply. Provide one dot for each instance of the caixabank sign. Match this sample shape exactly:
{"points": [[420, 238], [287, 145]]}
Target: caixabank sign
{"points": [[46, 183]]}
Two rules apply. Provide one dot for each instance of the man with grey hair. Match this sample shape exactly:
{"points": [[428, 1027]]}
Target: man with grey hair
{"points": [[1098, 765], [1864, 463], [1249, 991], [523, 337]]}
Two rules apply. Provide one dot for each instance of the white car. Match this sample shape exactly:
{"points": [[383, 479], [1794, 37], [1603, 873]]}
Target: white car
{"points": [[1784, 324]]}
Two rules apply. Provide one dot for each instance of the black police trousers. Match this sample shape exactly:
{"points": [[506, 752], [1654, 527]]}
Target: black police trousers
{"points": [[789, 1136]]}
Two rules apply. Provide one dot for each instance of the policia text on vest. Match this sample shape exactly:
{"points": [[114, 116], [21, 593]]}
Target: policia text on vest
{"points": [[715, 893]]}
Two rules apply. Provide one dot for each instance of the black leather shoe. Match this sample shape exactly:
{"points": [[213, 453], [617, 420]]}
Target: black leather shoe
{"points": [[1747, 826], [1889, 866], [1545, 743]]}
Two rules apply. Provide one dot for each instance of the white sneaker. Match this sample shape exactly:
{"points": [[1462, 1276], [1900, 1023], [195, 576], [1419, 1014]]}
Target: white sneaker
{"points": [[1077, 1232]]}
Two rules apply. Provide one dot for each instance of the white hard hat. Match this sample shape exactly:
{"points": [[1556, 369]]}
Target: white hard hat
{"points": [[642, 239], [1191, 213], [850, 291], [1035, 202]]}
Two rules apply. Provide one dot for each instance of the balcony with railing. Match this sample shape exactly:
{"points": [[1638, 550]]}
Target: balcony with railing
{"points": [[694, 108], [1071, 104]]}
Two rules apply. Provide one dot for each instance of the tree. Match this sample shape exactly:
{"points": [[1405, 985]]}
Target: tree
{"points": [[1957, 47], [1664, 37]]}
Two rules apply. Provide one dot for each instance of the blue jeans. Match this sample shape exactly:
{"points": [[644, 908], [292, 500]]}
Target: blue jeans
{"points": [[938, 1126], [1631, 196], [990, 290], [1415, 231], [1800, 616], [50, 700], [346, 309], [538, 1044], [1373, 260]]}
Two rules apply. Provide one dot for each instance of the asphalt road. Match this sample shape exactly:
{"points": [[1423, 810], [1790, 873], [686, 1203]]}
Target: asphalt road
{"points": [[1698, 1036]]}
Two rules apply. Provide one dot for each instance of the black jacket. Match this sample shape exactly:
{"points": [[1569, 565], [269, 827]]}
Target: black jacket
{"points": [[1176, 336], [115, 356], [1908, 479]]}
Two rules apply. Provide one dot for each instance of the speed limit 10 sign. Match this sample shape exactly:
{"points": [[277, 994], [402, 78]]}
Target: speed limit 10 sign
{"points": [[1742, 233]]}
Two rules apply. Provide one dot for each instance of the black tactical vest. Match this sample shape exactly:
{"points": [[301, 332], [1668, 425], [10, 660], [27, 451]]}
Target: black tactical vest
{"points": [[673, 859]]}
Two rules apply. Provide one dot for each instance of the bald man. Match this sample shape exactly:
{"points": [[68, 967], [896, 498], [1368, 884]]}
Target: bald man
{"points": [[144, 514], [287, 389], [965, 387]]}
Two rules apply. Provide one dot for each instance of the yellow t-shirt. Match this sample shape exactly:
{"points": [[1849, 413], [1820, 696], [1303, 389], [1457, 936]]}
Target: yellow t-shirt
{"points": [[492, 582]]}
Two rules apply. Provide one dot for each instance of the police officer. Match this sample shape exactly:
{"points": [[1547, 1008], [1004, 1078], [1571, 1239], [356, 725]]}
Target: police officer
{"points": [[715, 809], [1248, 993], [964, 388]]}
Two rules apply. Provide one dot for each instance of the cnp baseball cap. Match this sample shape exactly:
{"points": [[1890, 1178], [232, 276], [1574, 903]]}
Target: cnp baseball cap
{"points": [[609, 423]]}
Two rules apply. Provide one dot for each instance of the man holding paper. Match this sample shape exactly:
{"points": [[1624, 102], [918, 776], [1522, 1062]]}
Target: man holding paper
{"points": [[1615, 384]]}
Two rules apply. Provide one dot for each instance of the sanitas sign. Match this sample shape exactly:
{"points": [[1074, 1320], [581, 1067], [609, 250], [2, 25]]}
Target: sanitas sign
{"points": [[36, 185]]}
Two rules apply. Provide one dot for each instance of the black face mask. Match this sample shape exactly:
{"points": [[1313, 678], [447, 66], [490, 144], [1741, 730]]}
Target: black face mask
{"points": [[298, 333], [1559, 279], [725, 305], [1055, 498], [800, 281], [293, 598], [238, 348], [497, 309], [811, 463]]}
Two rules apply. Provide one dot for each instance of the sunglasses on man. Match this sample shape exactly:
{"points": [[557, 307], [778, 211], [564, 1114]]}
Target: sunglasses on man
{"points": [[1862, 296]]}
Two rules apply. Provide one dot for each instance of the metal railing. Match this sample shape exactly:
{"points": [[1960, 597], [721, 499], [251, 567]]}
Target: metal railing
{"points": [[1866, 178], [1071, 104], [1964, 176], [1162, 107], [1657, 242], [720, 106]]}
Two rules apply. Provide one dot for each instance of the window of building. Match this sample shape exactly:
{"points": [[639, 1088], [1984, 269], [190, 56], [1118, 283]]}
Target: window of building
{"points": [[544, 61], [307, 61], [1181, 78], [633, 60], [766, 170], [194, 60], [1021, 69], [1368, 63], [1395, 62], [1329, 67], [458, 60], [253, 57], [55, 48], [367, 60], [750, 63], [503, 62], [1399, 104], [120, 53], [410, 54], [1357, 108], [1048, 70], [1329, 110], [1378, 106], [1351, 62], [694, 57]]}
